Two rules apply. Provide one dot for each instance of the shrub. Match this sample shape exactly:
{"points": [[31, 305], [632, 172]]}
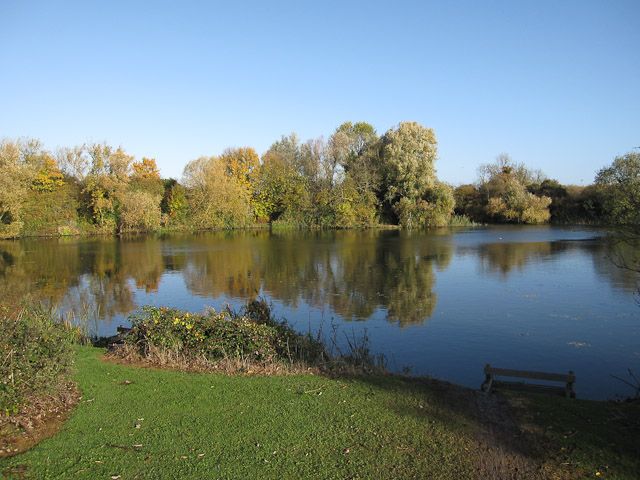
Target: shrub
{"points": [[252, 336], [36, 352]]}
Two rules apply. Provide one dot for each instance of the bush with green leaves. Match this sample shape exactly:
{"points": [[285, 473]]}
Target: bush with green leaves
{"points": [[251, 335], [36, 352]]}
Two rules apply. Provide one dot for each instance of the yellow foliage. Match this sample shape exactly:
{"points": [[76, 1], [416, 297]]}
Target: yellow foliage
{"points": [[48, 176], [146, 169]]}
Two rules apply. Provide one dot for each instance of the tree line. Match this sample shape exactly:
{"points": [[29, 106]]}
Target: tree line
{"points": [[355, 178]]}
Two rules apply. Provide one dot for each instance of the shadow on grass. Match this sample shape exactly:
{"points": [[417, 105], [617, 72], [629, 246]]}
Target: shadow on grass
{"points": [[528, 435]]}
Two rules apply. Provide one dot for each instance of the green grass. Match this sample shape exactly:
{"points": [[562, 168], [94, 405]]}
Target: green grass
{"points": [[148, 423], [215, 426]]}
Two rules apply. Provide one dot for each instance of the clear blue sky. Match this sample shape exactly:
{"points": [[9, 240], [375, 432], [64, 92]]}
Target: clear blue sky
{"points": [[556, 84]]}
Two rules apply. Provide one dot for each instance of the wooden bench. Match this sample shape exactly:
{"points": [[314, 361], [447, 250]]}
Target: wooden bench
{"points": [[568, 379]]}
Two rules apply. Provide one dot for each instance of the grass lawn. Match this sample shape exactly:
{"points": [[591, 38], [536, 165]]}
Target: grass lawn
{"points": [[145, 423]]}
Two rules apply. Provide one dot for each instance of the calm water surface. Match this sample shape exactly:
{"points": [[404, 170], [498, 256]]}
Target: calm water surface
{"points": [[441, 303]]}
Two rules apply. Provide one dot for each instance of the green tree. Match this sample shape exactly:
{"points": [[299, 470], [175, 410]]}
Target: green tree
{"points": [[106, 184], [504, 184], [433, 209], [516, 204], [408, 155], [174, 202], [411, 188], [469, 202], [355, 149], [281, 191], [620, 184]]}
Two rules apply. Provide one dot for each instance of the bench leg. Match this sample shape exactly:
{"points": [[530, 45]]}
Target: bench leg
{"points": [[569, 392], [486, 385]]}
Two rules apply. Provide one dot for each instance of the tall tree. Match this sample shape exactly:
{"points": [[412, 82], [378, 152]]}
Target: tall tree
{"points": [[281, 191], [354, 148], [106, 183], [620, 183], [15, 176], [408, 154]]}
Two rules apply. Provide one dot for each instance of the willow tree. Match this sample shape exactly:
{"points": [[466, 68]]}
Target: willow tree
{"points": [[410, 185], [409, 153]]}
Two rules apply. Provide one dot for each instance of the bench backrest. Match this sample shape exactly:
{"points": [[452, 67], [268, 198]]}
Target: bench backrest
{"points": [[554, 377]]}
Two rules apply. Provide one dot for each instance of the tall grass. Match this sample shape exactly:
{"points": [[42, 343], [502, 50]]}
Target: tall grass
{"points": [[462, 221]]}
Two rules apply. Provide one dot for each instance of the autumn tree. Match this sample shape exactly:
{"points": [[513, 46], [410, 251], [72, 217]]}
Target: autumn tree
{"points": [[106, 183], [139, 212], [240, 164], [216, 199], [15, 175]]}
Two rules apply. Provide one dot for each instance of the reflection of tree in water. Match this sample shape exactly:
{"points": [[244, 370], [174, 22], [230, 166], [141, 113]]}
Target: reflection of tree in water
{"points": [[141, 259], [37, 270], [354, 273], [77, 273], [615, 260], [503, 258], [217, 264], [390, 270], [608, 255]]}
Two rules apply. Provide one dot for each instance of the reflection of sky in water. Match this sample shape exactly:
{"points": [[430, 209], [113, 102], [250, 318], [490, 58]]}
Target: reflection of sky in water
{"points": [[528, 298]]}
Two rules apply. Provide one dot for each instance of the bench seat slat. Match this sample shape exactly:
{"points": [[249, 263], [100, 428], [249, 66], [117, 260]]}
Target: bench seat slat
{"points": [[530, 387], [505, 372]]}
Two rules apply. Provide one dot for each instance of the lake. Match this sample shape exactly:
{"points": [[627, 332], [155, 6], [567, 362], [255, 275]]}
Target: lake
{"points": [[441, 303]]}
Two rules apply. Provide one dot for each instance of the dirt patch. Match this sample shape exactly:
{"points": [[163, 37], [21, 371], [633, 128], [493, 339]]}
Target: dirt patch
{"points": [[505, 450], [42, 418]]}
